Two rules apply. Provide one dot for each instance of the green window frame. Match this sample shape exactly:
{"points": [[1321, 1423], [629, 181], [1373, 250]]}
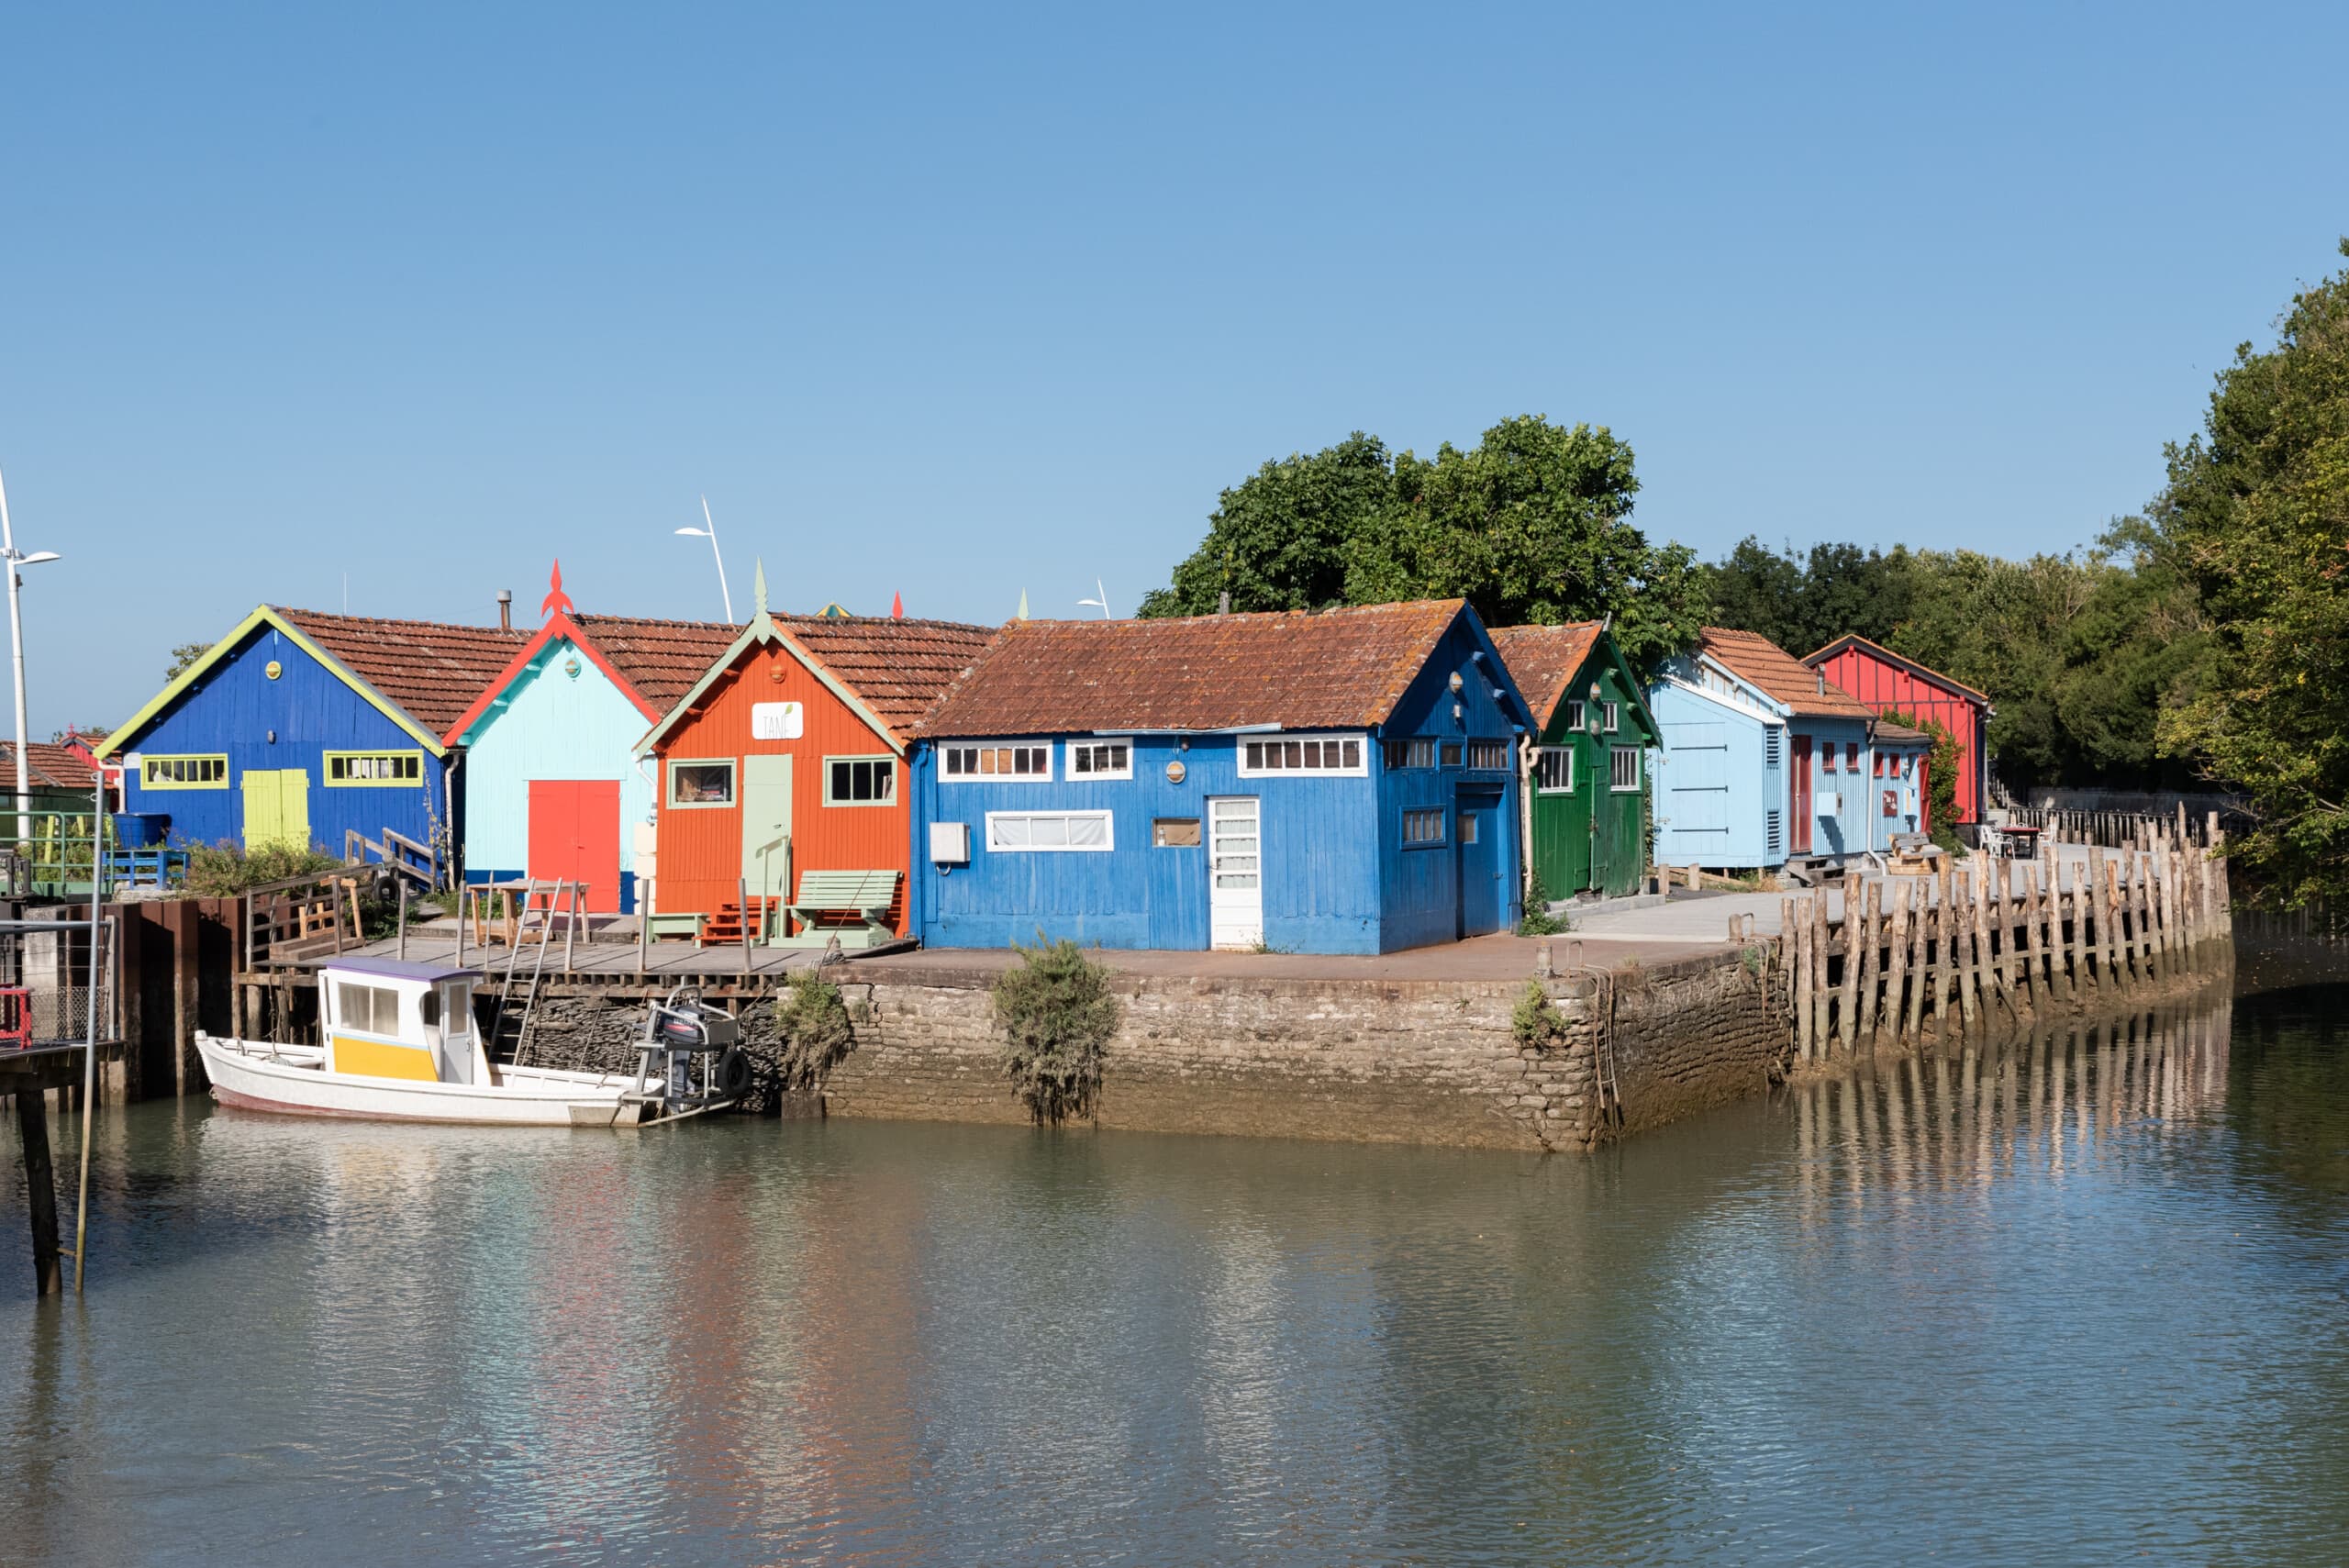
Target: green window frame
{"points": [[374, 770], [705, 800], [860, 781], [195, 770]]}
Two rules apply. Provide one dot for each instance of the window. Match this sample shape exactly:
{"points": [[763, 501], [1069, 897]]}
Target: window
{"points": [[1625, 762], [1574, 714], [1422, 828], [428, 1008], [1553, 769], [1491, 755], [1850, 756], [1409, 753], [1770, 748], [184, 773], [1323, 755], [374, 770], [1827, 757], [1467, 827], [375, 1009], [701, 784], [1175, 833], [860, 780], [1027, 830], [1880, 765], [1100, 759], [1614, 717], [967, 764], [1452, 754]]}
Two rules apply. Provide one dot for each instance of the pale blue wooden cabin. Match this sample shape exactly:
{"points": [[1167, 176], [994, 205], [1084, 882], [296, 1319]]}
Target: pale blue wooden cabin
{"points": [[1341, 783], [552, 788], [1764, 762]]}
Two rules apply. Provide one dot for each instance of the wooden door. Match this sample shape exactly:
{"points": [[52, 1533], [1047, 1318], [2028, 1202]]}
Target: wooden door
{"points": [[1480, 855], [1235, 872], [575, 836], [277, 808], [1798, 780], [1561, 819], [766, 827]]}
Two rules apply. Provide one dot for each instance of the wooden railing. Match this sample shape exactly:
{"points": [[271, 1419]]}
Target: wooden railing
{"points": [[398, 852]]}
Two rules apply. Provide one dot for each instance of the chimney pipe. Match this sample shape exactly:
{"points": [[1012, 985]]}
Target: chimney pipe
{"points": [[1223, 602], [505, 609], [1822, 681]]}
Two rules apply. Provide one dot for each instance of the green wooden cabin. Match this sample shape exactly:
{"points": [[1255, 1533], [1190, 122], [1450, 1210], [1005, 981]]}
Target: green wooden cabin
{"points": [[1587, 787]]}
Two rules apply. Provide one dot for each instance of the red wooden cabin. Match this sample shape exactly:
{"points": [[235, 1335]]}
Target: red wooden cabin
{"points": [[788, 757], [1882, 681]]}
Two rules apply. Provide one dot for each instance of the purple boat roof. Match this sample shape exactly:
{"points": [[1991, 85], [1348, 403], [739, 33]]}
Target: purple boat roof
{"points": [[398, 968]]}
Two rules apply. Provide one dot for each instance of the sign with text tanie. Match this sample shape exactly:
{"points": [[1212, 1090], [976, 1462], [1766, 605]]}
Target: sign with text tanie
{"points": [[775, 720]]}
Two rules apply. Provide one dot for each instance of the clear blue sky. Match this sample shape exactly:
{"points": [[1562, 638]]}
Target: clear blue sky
{"points": [[957, 301]]}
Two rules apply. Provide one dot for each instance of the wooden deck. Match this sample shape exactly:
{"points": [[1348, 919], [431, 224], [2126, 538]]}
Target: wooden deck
{"points": [[606, 952]]}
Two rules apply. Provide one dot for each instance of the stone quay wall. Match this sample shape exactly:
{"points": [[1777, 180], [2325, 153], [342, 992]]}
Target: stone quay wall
{"points": [[1414, 1062]]}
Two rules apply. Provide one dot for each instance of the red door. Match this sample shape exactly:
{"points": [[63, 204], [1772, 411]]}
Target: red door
{"points": [[575, 835], [1802, 839]]}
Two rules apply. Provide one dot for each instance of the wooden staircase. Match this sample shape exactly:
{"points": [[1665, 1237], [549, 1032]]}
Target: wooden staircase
{"points": [[725, 928]]}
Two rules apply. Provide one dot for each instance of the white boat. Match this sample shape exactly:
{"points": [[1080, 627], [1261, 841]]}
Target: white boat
{"points": [[401, 1045]]}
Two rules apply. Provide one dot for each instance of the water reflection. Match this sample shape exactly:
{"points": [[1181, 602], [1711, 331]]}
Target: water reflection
{"points": [[2074, 1299]]}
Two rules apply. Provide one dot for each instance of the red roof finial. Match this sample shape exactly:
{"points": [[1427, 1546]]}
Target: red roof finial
{"points": [[557, 602], [897, 607]]}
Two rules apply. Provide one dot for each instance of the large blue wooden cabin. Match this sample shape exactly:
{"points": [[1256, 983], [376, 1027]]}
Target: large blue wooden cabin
{"points": [[299, 728], [552, 788], [1764, 762], [1340, 782]]}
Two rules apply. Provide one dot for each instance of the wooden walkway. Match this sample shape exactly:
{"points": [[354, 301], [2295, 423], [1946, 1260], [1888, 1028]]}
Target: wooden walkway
{"points": [[609, 955]]}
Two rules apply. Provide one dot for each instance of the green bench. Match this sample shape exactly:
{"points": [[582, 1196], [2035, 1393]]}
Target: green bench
{"points": [[659, 926], [850, 904]]}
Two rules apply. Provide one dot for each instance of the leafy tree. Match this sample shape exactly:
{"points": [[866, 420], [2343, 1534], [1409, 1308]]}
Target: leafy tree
{"points": [[184, 655], [2254, 517], [1805, 602], [1531, 525]]}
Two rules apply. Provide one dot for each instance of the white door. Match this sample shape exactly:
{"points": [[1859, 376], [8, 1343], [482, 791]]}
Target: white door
{"points": [[1235, 872]]}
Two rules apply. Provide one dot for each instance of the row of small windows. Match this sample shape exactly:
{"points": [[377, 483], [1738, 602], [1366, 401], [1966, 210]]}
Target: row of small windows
{"points": [[375, 767], [384, 770], [1553, 769], [848, 781], [1305, 756], [1490, 755], [1610, 716]]}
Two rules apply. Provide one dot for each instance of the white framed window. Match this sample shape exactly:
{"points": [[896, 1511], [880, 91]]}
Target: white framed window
{"points": [[1553, 769], [1422, 828], [1325, 754], [375, 1009], [1624, 762], [701, 782], [988, 761], [1490, 755], [1408, 754], [1100, 759], [1613, 713], [860, 780], [1574, 714], [1050, 831]]}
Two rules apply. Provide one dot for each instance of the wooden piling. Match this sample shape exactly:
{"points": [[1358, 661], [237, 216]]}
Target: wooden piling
{"points": [[1847, 1014], [1819, 938], [40, 1188], [1957, 925], [1987, 950], [1896, 959], [1918, 898], [2109, 930], [1796, 933], [1871, 934]]}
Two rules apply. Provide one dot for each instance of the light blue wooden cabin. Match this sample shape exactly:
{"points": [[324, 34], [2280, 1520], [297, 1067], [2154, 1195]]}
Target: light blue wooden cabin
{"points": [[552, 787], [1765, 764], [1340, 782]]}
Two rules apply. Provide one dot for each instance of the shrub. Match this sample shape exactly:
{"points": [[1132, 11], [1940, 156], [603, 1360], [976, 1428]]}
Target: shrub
{"points": [[1057, 1015], [814, 1024], [223, 870], [1538, 921], [1536, 1021]]}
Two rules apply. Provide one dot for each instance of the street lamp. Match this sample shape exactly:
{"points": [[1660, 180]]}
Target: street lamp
{"points": [[15, 558], [710, 533]]}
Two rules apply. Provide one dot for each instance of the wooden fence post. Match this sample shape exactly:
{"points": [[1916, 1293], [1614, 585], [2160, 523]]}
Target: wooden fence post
{"points": [[1896, 959], [1819, 941], [1871, 934], [1847, 1020], [2108, 931], [1795, 936], [1958, 927], [1917, 898]]}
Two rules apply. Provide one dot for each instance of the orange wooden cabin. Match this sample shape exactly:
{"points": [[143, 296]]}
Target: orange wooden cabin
{"points": [[788, 757]]}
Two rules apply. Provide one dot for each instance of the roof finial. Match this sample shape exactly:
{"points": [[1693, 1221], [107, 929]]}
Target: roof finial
{"points": [[897, 607], [557, 602], [759, 586], [1023, 604]]}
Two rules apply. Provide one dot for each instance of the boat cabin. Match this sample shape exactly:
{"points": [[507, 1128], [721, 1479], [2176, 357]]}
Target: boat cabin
{"points": [[384, 1017]]}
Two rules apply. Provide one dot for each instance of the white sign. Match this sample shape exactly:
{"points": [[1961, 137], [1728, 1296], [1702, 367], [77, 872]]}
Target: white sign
{"points": [[775, 720]]}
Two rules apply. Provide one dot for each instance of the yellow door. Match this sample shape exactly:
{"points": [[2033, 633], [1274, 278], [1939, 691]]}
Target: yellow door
{"points": [[277, 808]]}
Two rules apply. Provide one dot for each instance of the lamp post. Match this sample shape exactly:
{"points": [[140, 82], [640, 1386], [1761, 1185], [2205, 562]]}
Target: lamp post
{"points": [[710, 533], [14, 558]]}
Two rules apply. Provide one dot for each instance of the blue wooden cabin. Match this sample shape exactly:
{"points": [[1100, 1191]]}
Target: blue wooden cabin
{"points": [[1765, 762], [552, 789], [1340, 783], [299, 727]]}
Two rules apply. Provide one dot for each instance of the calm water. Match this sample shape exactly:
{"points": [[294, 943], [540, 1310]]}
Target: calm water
{"points": [[2078, 1303]]}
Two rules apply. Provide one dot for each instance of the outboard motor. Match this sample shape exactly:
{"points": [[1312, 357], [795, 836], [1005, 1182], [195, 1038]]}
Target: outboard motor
{"points": [[695, 1052]]}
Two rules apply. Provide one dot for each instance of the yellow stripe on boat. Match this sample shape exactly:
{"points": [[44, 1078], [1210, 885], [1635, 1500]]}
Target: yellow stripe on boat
{"points": [[381, 1059]]}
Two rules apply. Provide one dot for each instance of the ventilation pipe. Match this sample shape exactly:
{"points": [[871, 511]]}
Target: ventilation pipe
{"points": [[505, 609]]}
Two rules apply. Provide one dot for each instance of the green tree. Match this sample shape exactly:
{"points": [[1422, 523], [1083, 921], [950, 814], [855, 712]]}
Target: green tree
{"points": [[1804, 602], [2255, 515], [184, 655], [1531, 525]]}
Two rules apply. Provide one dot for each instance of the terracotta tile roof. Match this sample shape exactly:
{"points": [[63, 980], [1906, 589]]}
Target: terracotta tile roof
{"points": [[899, 669], [1878, 651], [432, 670], [1755, 657], [662, 659], [1543, 659], [1339, 670], [53, 767]]}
